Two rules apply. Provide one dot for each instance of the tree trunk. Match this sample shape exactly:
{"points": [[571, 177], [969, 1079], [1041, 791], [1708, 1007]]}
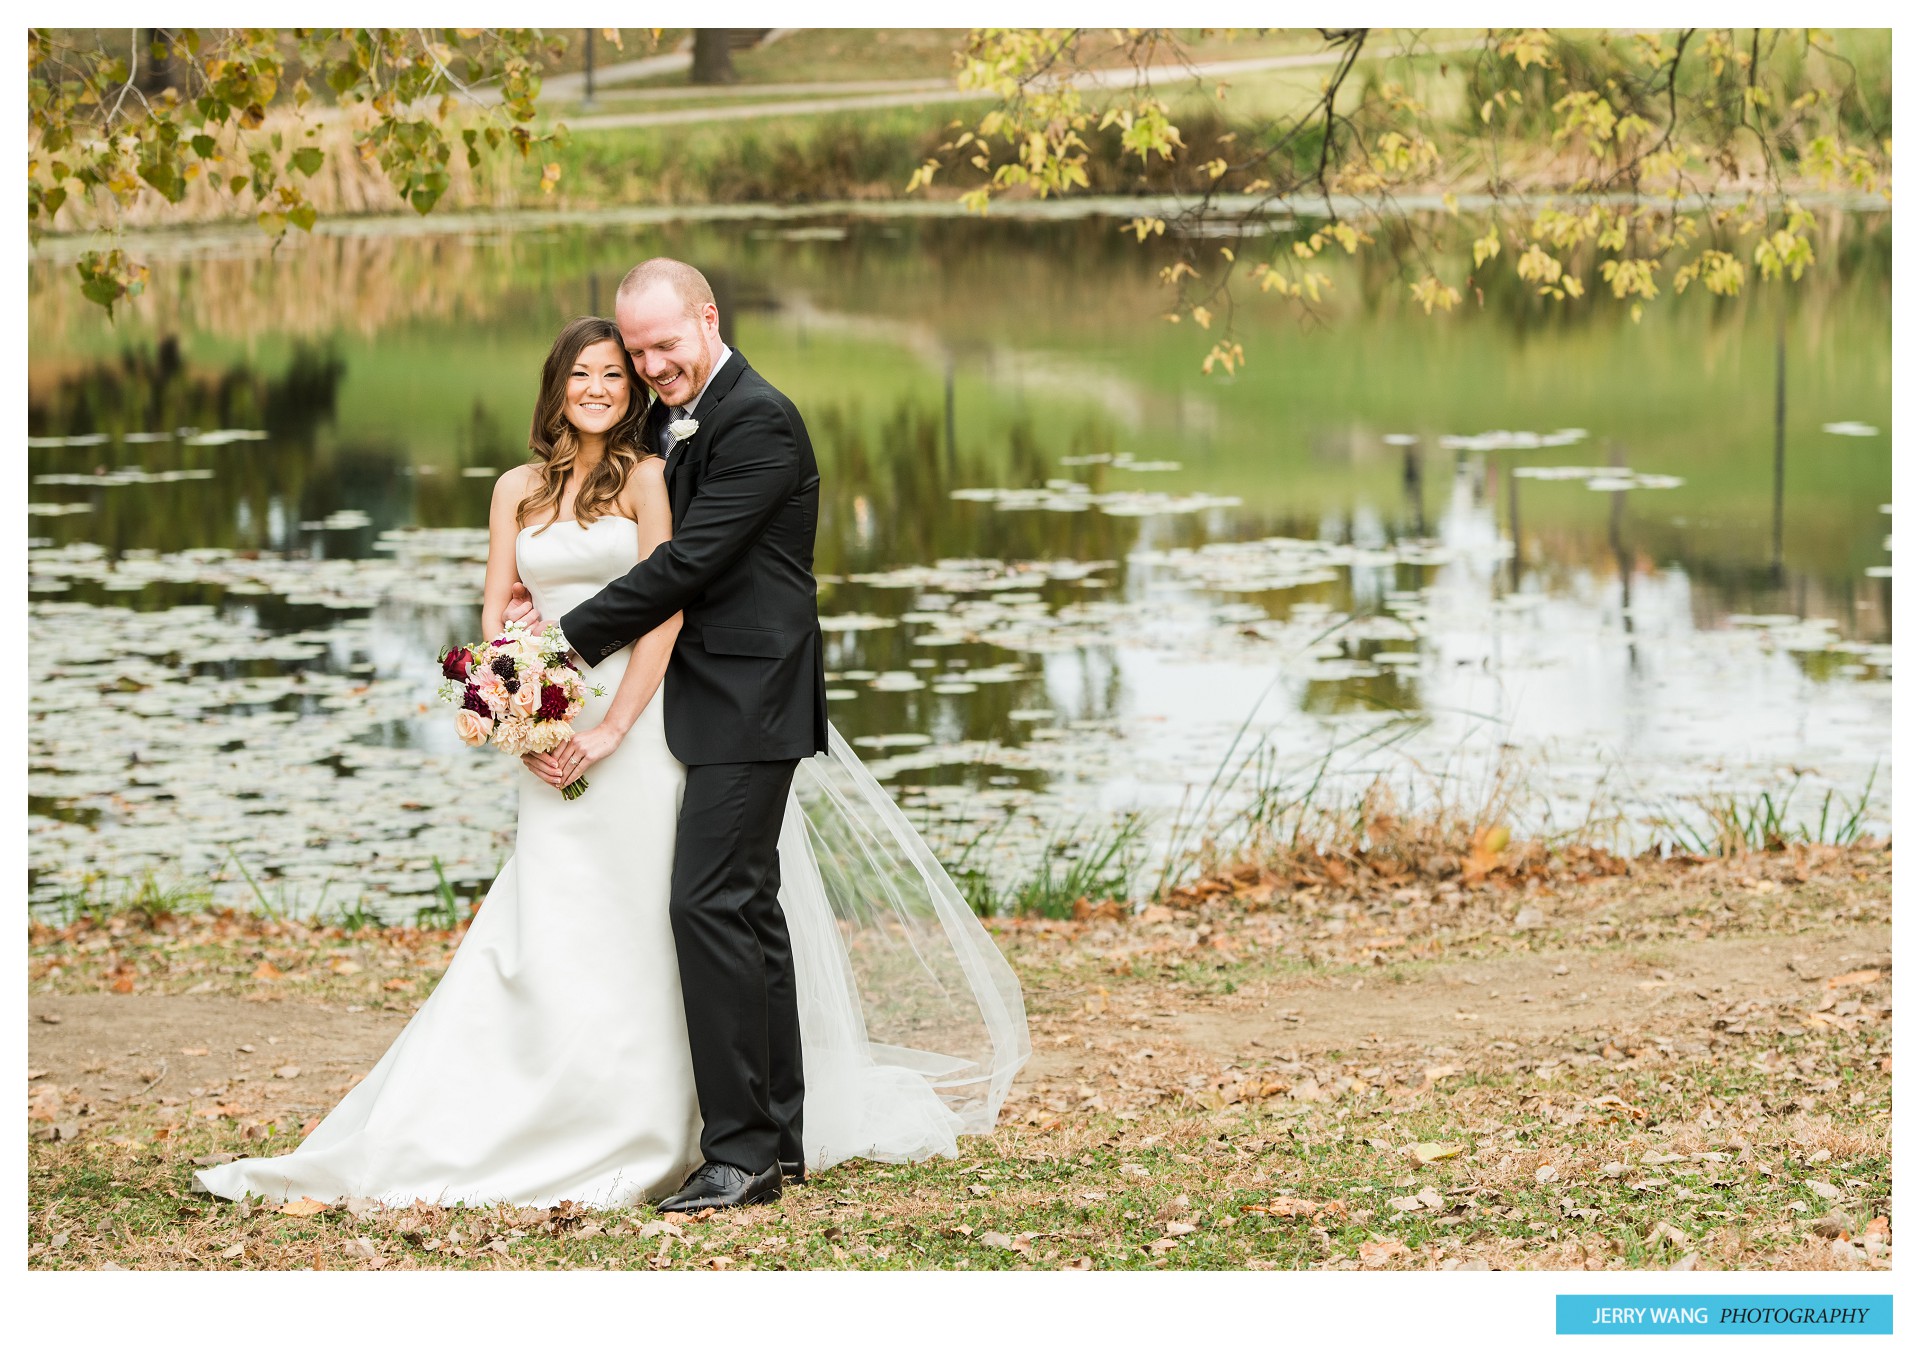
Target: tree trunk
{"points": [[151, 74], [713, 56]]}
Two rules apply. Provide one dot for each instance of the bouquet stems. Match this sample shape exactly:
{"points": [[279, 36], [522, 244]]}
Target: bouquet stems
{"points": [[574, 789]]}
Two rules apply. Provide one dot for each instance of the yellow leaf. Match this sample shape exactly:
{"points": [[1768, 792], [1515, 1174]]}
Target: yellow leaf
{"points": [[1429, 1151], [304, 1207]]}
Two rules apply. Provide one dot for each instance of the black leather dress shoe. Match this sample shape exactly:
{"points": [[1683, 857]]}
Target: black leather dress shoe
{"points": [[793, 1174], [720, 1185]]}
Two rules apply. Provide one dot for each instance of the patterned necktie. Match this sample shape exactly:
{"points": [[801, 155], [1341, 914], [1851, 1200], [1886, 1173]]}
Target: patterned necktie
{"points": [[665, 435]]}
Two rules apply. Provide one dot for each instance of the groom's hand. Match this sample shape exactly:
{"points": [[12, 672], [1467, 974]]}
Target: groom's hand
{"points": [[520, 609]]}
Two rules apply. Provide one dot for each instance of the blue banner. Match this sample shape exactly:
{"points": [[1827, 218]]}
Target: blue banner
{"points": [[1719, 1315]]}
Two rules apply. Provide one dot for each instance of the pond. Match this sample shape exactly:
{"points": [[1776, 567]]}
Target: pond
{"points": [[1518, 553]]}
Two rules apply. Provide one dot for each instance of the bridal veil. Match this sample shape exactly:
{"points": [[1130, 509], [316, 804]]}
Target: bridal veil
{"points": [[911, 1022]]}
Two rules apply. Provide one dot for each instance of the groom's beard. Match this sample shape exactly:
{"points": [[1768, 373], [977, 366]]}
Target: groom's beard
{"points": [[684, 391]]}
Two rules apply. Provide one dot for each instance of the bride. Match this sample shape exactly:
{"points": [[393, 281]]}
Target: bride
{"points": [[552, 1061]]}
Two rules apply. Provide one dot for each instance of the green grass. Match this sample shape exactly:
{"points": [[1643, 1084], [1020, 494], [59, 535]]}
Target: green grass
{"points": [[1114, 1192], [1077, 865], [1736, 823]]}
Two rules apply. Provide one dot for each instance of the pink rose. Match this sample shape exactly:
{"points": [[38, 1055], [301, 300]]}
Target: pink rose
{"points": [[525, 700], [490, 687], [473, 729]]}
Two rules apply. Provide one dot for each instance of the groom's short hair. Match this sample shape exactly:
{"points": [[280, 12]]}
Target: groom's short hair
{"points": [[685, 280]]}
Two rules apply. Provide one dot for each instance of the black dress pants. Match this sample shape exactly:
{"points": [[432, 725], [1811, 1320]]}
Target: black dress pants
{"points": [[736, 964]]}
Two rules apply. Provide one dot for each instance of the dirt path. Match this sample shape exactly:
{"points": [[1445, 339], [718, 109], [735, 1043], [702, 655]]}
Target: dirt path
{"points": [[1539, 996], [117, 1043]]}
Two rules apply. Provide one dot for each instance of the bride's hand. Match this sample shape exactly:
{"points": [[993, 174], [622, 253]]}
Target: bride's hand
{"points": [[520, 609], [575, 756], [546, 768]]}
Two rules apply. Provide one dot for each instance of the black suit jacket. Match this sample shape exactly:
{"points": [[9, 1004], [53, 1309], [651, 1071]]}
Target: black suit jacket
{"points": [[746, 681]]}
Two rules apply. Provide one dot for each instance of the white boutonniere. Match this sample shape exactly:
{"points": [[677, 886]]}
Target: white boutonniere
{"points": [[681, 428]]}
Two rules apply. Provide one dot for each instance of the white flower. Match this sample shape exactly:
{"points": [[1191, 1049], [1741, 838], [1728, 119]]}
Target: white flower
{"points": [[682, 427]]}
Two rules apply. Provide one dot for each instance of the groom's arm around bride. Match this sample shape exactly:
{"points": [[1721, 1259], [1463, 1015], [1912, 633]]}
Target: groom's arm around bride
{"points": [[746, 682]]}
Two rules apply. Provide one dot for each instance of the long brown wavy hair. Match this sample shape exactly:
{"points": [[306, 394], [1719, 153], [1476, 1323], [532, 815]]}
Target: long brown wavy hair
{"points": [[555, 444]]}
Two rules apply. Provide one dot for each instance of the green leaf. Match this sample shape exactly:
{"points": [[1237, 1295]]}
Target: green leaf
{"points": [[53, 200], [203, 146], [308, 159], [274, 222], [344, 76], [302, 216]]}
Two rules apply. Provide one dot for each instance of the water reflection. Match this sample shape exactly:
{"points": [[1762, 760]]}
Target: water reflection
{"points": [[1334, 547]]}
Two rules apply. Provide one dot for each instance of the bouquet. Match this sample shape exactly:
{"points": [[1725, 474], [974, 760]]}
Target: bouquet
{"points": [[520, 691]]}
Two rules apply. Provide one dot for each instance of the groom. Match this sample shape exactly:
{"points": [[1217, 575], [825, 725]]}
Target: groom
{"points": [[745, 699]]}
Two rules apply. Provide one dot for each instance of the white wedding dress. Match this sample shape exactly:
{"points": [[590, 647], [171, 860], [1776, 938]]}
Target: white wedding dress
{"points": [[551, 1062]]}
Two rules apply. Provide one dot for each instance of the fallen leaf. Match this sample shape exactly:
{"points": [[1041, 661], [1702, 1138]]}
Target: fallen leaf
{"points": [[1429, 1151], [1404, 1202], [287, 1072], [1430, 1198], [1176, 1229], [1382, 1251], [1834, 1224], [1545, 1174], [1865, 976], [235, 1251], [1826, 1191], [193, 1050], [1666, 1231], [49, 1017], [1284, 1206], [267, 971], [993, 1238], [304, 1207]]}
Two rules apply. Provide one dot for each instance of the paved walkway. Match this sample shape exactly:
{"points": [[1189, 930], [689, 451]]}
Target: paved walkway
{"points": [[852, 96]]}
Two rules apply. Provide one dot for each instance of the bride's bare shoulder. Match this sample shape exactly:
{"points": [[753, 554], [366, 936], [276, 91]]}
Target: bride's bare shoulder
{"points": [[514, 485]]}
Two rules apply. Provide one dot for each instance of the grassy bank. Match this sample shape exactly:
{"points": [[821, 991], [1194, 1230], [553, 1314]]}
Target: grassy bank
{"points": [[1669, 1063]]}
